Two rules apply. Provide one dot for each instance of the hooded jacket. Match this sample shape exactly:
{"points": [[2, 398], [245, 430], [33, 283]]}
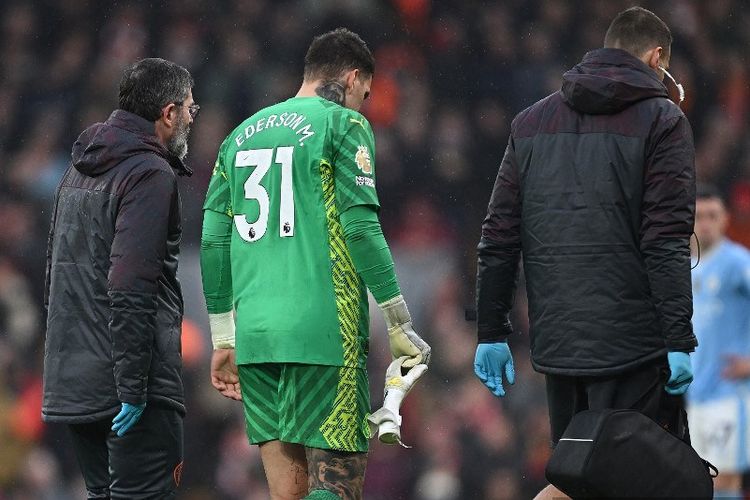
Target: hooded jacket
{"points": [[597, 191], [114, 304]]}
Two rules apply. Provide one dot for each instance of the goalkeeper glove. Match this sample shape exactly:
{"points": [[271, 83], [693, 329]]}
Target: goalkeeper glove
{"points": [[387, 420], [681, 373], [490, 361], [402, 338], [222, 330], [127, 418]]}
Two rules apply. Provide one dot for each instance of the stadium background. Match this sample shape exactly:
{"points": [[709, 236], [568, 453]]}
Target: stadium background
{"points": [[450, 75]]}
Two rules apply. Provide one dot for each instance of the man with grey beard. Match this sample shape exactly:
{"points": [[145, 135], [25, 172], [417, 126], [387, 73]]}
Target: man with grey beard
{"points": [[112, 363]]}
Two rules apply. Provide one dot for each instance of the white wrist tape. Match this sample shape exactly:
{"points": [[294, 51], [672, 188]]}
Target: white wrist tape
{"points": [[395, 311], [222, 330]]}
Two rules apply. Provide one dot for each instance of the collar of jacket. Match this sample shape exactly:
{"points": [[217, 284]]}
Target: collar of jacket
{"points": [[147, 131], [607, 81], [620, 57]]}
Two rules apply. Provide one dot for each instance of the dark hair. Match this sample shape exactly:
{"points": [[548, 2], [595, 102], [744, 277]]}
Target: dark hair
{"points": [[150, 84], [638, 30], [705, 191], [336, 52]]}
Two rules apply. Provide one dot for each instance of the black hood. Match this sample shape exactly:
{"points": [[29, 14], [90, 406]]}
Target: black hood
{"points": [[103, 146], [608, 81]]}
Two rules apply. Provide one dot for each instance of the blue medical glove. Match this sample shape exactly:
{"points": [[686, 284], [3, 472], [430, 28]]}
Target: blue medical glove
{"points": [[128, 416], [681, 373], [490, 361]]}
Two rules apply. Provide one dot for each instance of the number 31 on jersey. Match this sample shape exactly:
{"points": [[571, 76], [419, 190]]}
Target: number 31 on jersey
{"points": [[262, 160]]}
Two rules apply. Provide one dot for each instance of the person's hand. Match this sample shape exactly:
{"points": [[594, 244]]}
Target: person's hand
{"points": [[127, 418], [681, 373], [404, 341], [402, 338], [736, 367], [490, 362], [224, 375]]}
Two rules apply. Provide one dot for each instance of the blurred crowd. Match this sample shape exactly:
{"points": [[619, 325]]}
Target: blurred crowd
{"points": [[450, 76]]}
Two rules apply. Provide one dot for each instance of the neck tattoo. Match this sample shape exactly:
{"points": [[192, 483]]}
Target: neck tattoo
{"points": [[333, 91]]}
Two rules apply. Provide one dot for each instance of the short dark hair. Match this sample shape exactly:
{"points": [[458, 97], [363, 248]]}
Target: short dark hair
{"points": [[638, 30], [150, 84], [336, 52], [704, 191]]}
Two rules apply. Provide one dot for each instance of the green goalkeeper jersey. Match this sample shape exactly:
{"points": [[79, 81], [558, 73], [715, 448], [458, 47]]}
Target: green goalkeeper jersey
{"points": [[284, 176]]}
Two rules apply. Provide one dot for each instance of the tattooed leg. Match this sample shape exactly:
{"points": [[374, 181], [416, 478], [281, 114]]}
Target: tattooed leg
{"points": [[333, 91], [340, 472], [286, 469]]}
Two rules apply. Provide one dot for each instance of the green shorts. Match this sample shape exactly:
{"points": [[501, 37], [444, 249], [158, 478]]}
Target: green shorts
{"points": [[316, 406]]}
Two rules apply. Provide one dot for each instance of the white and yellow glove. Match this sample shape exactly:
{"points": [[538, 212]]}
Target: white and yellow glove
{"points": [[387, 420], [402, 338]]}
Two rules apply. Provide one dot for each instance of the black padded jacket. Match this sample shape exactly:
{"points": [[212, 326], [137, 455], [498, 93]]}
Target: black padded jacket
{"points": [[114, 304], [597, 192]]}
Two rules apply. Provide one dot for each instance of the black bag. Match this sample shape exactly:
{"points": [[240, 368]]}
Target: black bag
{"points": [[625, 454]]}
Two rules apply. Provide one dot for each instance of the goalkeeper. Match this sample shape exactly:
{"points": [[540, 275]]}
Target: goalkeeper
{"points": [[291, 242]]}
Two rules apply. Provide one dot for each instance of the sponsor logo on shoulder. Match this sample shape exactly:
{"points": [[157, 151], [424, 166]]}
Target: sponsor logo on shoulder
{"points": [[365, 181]]}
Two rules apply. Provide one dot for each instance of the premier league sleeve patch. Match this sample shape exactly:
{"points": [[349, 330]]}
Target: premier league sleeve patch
{"points": [[362, 158]]}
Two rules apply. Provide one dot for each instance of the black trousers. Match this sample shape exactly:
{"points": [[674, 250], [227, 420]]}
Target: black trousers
{"points": [[640, 389], [145, 463]]}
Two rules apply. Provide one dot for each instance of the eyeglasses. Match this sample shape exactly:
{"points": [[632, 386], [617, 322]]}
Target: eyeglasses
{"points": [[192, 109]]}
